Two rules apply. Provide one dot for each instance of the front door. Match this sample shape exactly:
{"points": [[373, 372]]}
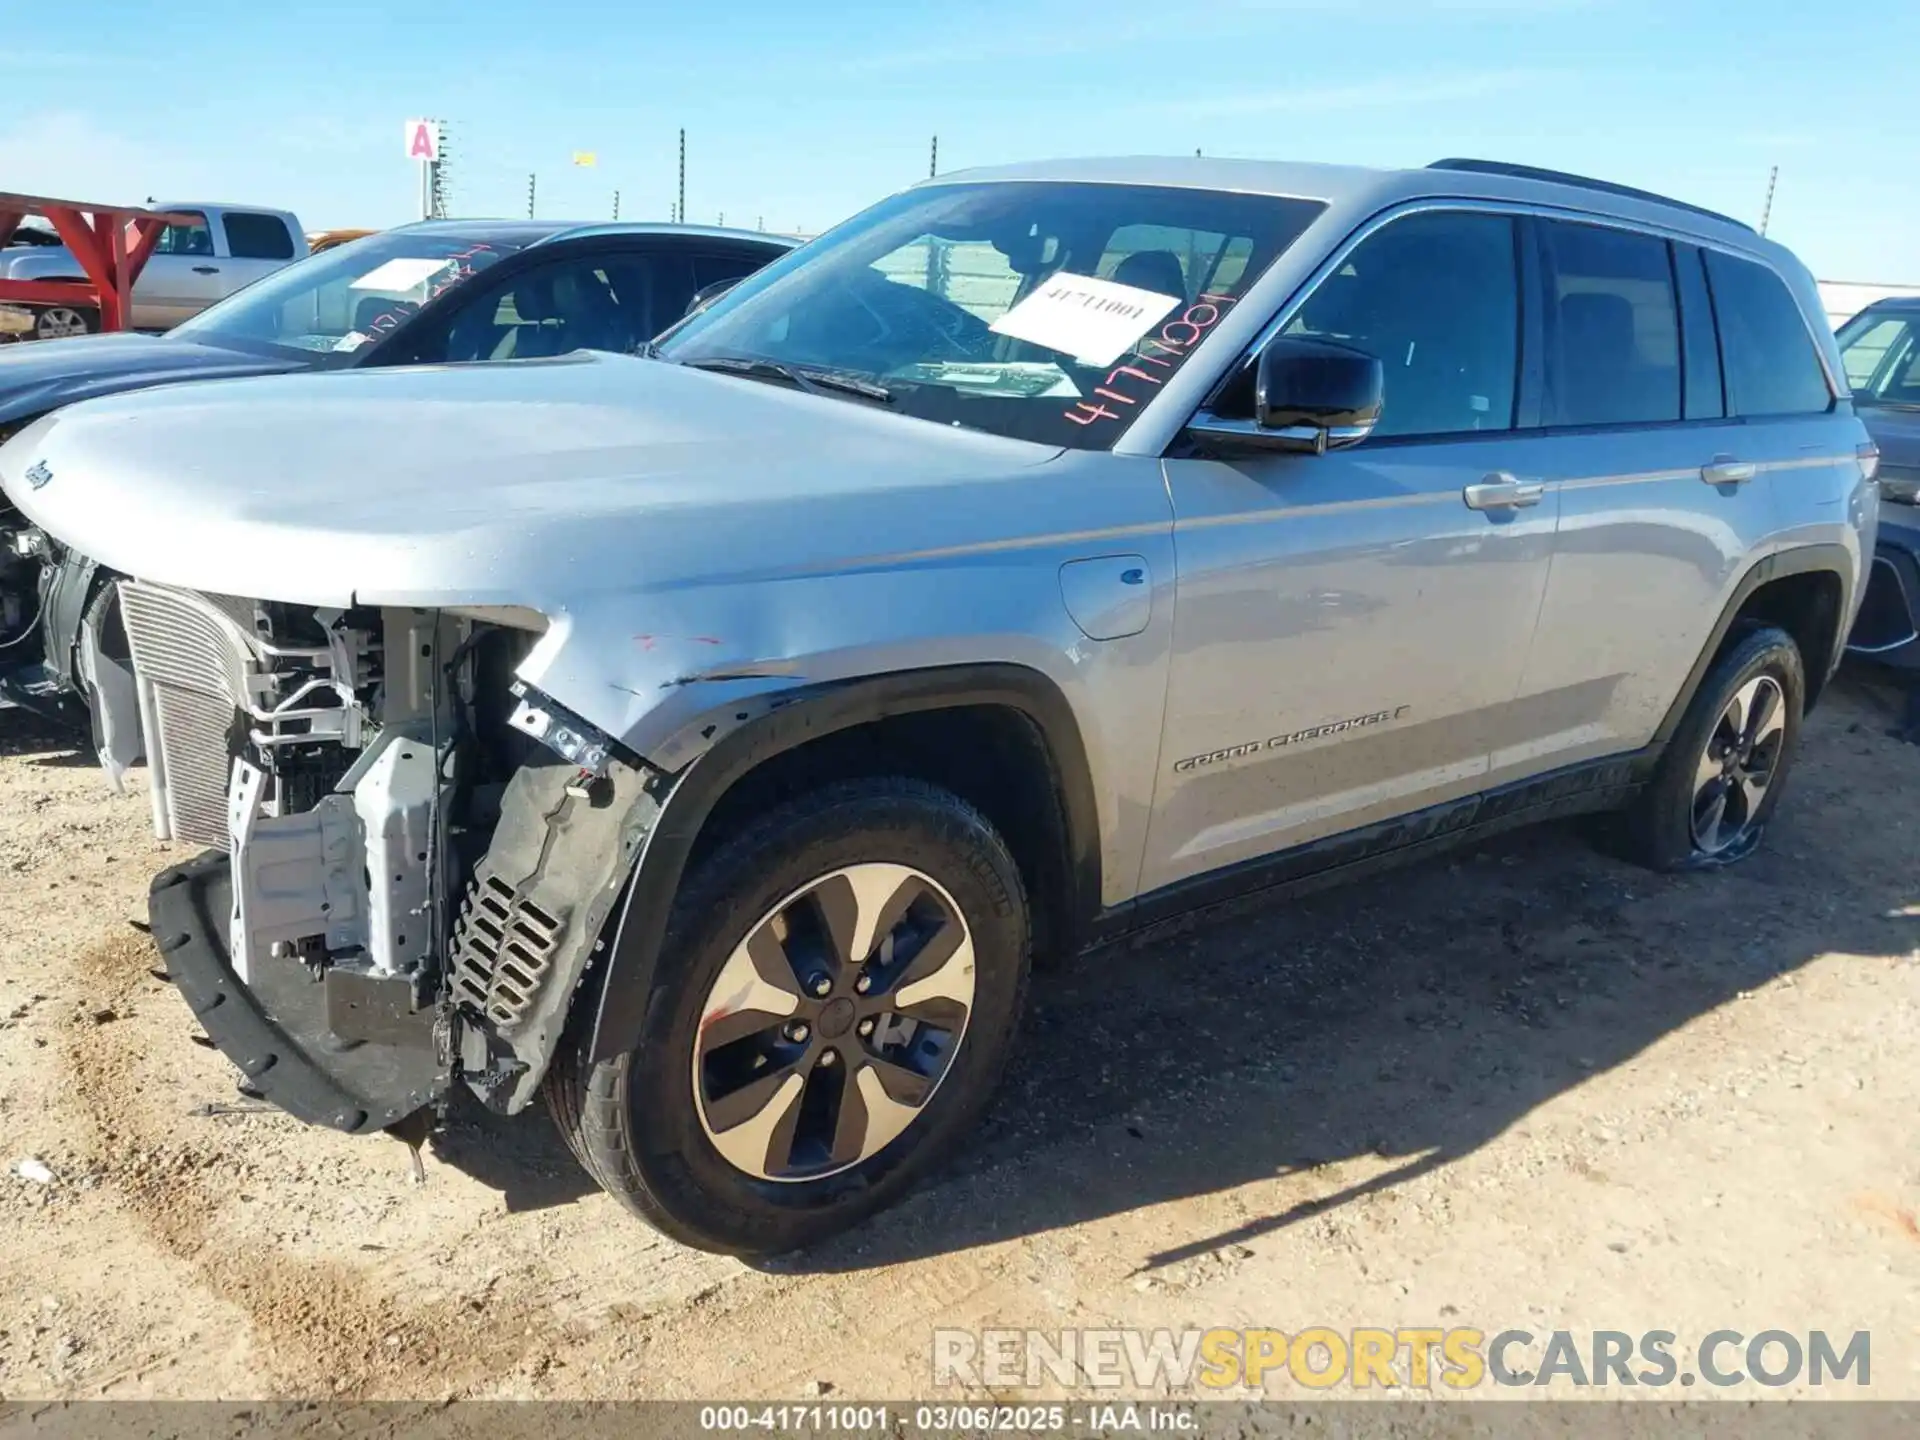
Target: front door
{"points": [[1351, 628], [181, 278]]}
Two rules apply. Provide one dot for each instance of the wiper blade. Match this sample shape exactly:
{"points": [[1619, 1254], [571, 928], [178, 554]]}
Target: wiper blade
{"points": [[801, 377]]}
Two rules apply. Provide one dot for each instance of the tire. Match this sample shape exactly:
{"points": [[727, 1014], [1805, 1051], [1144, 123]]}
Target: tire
{"points": [[1666, 827], [60, 322], [648, 1125]]}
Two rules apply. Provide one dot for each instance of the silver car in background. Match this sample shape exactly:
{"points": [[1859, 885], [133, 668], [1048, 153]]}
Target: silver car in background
{"points": [[709, 739], [223, 248]]}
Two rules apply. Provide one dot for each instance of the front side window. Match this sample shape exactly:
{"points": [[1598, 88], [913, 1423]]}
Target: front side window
{"points": [[1613, 341], [1771, 365], [192, 239], [334, 304], [1882, 359], [1435, 297], [257, 237], [1044, 311]]}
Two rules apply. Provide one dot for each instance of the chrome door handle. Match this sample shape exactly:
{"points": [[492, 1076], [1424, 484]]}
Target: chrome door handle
{"points": [[1725, 470], [206, 269], [1500, 491]]}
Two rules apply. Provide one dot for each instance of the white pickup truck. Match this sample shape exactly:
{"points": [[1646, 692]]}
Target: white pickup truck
{"points": [[226, 247]]}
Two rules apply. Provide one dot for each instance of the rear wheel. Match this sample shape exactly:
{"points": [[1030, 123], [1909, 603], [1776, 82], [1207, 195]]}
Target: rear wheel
{"points": [[835, 1001], [1718, 782], [61, 322]]}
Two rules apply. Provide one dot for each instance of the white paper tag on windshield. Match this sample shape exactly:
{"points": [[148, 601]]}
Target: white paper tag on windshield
{"points": [[401, 273], [1091, 319]]}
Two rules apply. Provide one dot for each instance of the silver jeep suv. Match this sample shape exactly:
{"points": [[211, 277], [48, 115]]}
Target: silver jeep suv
{"points": [[711, 738]]}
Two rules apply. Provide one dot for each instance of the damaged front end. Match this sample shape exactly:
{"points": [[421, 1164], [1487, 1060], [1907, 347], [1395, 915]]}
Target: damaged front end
{"points": [[411, 856], [62, 654]]}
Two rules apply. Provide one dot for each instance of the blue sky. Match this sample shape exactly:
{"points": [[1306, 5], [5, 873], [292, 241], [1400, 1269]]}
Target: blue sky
{"points": [[799, 115]]}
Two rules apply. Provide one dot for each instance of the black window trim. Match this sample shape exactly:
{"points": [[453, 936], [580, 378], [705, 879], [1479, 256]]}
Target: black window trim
{"points": [[1699, 325], [1531, 300]]}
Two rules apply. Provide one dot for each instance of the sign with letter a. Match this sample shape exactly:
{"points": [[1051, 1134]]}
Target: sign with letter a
{"points": [[423, 140]]}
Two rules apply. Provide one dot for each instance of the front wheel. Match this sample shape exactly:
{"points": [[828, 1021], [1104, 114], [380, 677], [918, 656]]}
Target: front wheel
{"points": [[1716, 786], [833, 1006]]}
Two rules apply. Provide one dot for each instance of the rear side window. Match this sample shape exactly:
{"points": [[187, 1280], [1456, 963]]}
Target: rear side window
{"points": [[257, 237], [1435, 298], [1771, 365], [1613, 333], [191, 239]]}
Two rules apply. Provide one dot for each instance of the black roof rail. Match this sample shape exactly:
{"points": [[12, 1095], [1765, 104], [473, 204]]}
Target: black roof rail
{"points": [[1561, 177]]}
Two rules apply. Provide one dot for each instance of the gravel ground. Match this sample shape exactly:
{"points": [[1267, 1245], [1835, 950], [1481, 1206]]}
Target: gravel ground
{"points": [[1525, 1087]]}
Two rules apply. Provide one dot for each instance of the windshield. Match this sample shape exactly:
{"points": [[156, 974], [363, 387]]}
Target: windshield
{"points": [[1042, 311], [341, 300], [1881, 356]]}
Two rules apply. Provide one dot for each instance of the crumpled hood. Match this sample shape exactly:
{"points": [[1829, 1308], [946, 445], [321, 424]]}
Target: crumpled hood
{"points": [[531, 483], [41, 375]]}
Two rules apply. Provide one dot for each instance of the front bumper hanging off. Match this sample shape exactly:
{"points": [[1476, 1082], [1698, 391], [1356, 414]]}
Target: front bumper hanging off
{"points": [[329, 1051]]}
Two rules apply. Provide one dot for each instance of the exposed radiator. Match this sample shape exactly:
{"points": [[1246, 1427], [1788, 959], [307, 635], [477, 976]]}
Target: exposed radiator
{"points": [[191, 654]]}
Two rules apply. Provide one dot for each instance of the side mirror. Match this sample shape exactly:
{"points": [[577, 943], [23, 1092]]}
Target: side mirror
{"points": [[1308, 396]]}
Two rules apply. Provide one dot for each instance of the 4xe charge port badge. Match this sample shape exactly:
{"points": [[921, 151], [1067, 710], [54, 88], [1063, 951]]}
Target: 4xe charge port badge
{"points": [[1298, 737]]}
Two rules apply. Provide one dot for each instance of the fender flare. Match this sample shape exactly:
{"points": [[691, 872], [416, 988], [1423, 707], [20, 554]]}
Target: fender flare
{"points": [[1800, 560], [620, 1010]]}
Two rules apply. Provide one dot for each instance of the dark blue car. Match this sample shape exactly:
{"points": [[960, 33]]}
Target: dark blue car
{"points": [[1881, 350], [436, 292]]}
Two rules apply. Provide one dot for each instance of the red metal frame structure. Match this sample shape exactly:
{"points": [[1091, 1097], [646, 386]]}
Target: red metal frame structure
{"points": [[112, 244]]}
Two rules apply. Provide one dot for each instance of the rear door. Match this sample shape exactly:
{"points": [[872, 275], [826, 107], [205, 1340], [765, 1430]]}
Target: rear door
{"points": [[1667, 464], [1350, 631]]}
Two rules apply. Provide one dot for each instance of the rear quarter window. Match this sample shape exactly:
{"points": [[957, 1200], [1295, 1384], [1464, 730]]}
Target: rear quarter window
{"points": [[1766, 349]]}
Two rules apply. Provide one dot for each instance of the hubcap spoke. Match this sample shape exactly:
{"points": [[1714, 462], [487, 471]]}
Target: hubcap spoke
{"points": [[1708, 770], [746, 1142], [1753, 789], [1766, 716], [1734, 720], [737, 1107], [943, 970], [883, 1118], [1706, 829], [903, 1086], [755, 989], [862, 905]]}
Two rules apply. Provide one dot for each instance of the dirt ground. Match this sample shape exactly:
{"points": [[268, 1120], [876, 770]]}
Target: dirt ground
{"points": [[1524, 1087]]}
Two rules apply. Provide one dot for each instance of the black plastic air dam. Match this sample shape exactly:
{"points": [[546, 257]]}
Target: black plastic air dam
{"points": [[276, 1030]]}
